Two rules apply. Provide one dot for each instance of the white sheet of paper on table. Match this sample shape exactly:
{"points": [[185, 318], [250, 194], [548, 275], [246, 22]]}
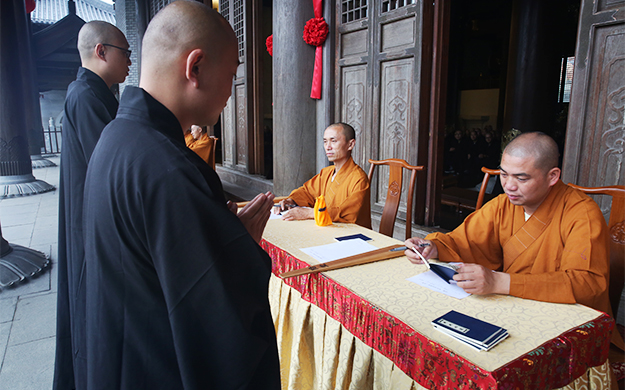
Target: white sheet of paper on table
{"points": [[275, 216], [432, 281], [338, 250]]}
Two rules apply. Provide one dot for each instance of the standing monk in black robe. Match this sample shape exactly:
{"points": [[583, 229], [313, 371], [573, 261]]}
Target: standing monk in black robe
{"points": [[177, 285], [90, 105]]}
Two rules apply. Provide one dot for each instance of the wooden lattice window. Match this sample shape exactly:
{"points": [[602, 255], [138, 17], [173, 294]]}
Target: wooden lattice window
{"points": [[239, 26], [157, 5], [389, 5], [224, 8], [352, 10]]}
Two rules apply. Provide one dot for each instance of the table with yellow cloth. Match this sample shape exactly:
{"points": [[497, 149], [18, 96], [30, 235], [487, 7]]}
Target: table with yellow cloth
{"points": [[367, 327]]}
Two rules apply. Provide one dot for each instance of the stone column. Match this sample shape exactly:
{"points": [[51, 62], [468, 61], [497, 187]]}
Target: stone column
{"points": [[294, 112], [16, 177]]}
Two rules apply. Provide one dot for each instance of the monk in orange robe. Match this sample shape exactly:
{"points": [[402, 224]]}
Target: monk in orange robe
{"points": [[344, 185], [200, 142], [541, 240]]}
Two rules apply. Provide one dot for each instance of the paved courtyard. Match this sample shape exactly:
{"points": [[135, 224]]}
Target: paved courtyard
{"points": [[28, 308]]}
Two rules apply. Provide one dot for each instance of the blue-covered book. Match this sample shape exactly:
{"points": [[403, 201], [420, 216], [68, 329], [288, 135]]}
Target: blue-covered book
{"points": [[476, 333]]}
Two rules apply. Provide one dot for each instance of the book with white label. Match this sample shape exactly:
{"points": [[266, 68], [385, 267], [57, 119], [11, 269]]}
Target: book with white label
{"points": [[476, 333]]}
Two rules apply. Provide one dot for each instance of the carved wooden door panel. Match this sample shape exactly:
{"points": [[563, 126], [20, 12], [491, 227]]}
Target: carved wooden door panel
{"points": [[240, 133], [594, 153], [379, 84]]}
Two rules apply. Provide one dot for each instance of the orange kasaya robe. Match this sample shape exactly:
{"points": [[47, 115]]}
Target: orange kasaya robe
{"points": [[347, 197], [202, 146], [188, 138], [560, 254]]}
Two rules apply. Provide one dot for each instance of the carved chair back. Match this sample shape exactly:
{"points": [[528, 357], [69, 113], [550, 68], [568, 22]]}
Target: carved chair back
{"points": [[616, 229], [393, 195]]}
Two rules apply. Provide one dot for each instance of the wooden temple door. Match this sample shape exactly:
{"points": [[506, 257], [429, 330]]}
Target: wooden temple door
{"points": [[241, 120], [594, 154], [383, 57]]}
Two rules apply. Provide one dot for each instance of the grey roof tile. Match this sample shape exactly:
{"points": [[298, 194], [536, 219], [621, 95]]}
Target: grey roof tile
{"points": [[51, 11]]}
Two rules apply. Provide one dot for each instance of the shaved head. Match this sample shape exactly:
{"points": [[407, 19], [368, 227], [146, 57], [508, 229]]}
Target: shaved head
{"points": [[189, 60], [96, 32], [347, 130], [536, 145], [179, 28]]}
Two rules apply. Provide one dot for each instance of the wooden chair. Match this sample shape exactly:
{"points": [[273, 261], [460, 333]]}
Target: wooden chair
{"points": [[616, 229], [389, 213], [211, 154], [487, 174]]}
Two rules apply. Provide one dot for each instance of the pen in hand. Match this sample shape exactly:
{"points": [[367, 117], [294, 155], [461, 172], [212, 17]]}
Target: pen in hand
{"points": [[427, 264]]}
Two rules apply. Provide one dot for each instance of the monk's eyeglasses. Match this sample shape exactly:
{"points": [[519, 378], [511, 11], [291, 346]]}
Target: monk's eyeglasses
{"points": [[126, 51]]}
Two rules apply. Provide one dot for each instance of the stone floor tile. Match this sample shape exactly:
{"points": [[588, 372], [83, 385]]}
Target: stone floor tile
{"points": [[35, 319], [20, 234], [5, 330], [7, 308], [28, 366]]}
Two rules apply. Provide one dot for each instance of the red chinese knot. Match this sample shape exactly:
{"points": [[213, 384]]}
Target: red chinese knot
{"points": [[316, 31], [269, 44]]}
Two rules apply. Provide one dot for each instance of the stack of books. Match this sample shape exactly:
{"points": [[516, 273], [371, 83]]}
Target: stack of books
{"points": [[475, 333]]}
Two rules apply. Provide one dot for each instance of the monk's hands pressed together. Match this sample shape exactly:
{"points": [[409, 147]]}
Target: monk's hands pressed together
{"points": [[284, 205], [426, 247], [255, 214], [479, 280], [298, 213], [232, 206]]}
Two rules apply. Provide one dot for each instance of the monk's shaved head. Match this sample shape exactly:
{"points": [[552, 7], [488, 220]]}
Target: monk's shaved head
{"points": [[179, 28], [96, 32], [347, 130], [539, 146]]}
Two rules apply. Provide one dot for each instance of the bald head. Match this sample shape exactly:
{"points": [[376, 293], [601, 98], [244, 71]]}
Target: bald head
{"points": [[178, 29], [96, 32], [347, 130], [536, 145], [189, 59]]}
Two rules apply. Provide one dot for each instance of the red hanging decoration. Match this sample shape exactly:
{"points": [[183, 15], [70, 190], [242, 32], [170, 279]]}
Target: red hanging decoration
{"points": [[269, 44], [315, 33], [30, 5]]}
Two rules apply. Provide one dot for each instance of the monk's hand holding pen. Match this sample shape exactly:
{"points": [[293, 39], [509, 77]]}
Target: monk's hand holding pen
{"points": [[284, 205], [426, 247]]}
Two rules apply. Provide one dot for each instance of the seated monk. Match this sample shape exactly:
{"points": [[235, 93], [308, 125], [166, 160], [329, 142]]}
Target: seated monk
{"points": [[541, 240], [344, 185], [200, 142]]}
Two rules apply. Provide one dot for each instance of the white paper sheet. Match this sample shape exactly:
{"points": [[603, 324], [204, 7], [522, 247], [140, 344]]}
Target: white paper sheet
{"points": [[338, 250], [432, 281], [275, 216]]}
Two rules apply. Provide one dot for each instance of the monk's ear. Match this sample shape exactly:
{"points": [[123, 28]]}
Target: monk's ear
{"points": [[351, 144], [193, 66], [553, 176]]}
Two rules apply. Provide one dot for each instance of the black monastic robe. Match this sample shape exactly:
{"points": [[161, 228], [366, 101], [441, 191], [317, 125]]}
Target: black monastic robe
{"points": [[89, 107], [177, 290]]}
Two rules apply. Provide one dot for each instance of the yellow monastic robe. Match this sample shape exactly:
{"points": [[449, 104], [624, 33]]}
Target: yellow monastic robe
{"points": [[188, 138], [202, 146], [347, 197], [560, 254]]}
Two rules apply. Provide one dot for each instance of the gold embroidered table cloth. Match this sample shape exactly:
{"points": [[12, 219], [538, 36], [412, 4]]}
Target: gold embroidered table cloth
{"points": [[368, 327]]}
